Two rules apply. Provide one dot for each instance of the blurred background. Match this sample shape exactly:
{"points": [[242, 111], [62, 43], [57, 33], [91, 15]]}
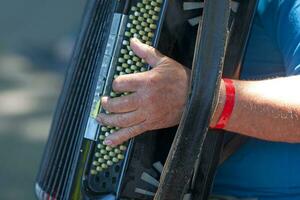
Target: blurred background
{"points": [[36, 40]]}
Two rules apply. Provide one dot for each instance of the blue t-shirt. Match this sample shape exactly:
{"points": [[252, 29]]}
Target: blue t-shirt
{"points": [[262, 169]]}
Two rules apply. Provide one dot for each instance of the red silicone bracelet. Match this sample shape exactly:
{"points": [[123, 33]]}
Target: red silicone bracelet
{"points": [[229, 104]]}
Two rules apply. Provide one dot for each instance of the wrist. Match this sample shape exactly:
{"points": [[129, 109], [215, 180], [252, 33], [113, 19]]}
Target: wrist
{"points": [[226, 101], [219, 105]]}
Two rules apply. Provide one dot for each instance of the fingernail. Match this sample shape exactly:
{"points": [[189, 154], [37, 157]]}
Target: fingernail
{"points": [[108, 142], [134, 40], [104, 98]]}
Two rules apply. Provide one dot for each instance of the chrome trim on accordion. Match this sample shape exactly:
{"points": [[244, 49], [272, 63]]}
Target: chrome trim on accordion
{"points": [[114, 39]]}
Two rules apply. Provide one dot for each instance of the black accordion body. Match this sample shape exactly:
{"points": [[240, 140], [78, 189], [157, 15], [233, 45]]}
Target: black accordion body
{"points": [[174, 163]]}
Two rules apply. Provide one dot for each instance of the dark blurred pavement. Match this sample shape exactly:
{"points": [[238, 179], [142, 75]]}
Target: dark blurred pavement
{"points": [[36, 39]]}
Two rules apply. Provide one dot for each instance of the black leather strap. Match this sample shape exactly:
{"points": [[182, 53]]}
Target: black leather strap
{"points": [[232, 146], [234, 60]]}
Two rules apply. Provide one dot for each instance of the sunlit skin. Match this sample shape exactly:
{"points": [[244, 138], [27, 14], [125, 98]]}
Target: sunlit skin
{"points": [[268, 109]]}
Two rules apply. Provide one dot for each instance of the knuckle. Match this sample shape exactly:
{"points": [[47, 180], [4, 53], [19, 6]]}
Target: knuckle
{"points": [[118, 138], [115, 85], [143, 127], [105, 119], [131, 132], [134, 100], [151, 49], [108, 120], [153, 79], [124, 121], [123, 136], [149, 126], [120, 106], [119, 120], [125, 101]]}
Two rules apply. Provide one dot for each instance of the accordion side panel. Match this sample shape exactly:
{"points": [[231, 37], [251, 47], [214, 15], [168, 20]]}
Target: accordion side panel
{"points": [[60, 153]]}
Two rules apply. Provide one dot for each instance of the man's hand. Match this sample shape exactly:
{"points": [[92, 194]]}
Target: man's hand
{"points": [[157, 97]]}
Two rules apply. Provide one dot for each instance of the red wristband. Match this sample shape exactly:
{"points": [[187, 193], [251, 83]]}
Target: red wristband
{"points": [[228, 106]]}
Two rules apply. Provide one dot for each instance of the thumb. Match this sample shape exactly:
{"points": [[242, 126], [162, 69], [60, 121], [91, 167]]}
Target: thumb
{"points": [[152, 56]]}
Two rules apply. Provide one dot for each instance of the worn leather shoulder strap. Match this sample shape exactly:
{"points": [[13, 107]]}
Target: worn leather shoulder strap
{"points": [[233, 61]]}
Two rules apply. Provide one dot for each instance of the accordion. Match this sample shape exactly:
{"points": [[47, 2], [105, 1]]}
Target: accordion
{"points": [[174, 163]]}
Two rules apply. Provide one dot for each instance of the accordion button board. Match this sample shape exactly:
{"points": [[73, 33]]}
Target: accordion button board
{"points": [[142, 24], [143, 21]]}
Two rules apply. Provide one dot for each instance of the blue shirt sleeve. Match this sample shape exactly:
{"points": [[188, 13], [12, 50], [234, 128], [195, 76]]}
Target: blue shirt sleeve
{"points": [[281, 19]]}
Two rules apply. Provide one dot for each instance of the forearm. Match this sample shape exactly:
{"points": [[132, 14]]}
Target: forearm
{"points": [[268, 109]]}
